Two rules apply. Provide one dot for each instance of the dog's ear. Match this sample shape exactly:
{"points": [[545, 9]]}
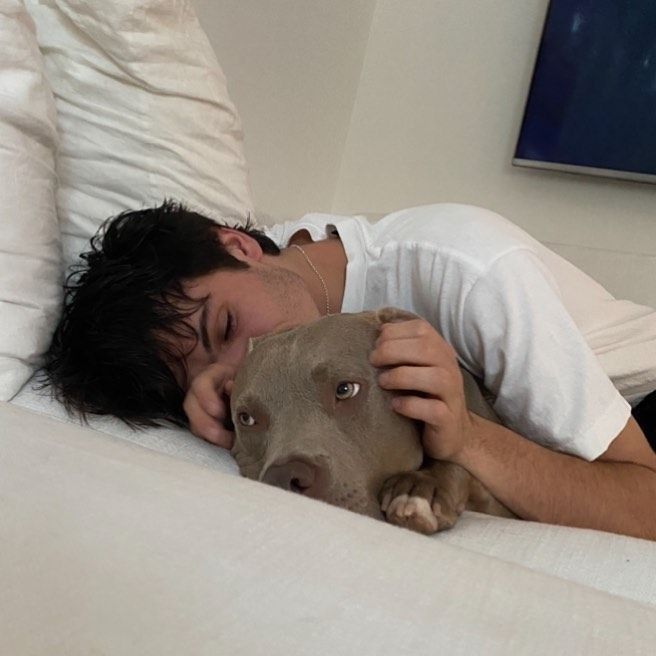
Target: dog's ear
{"points": [[254, 342], [393, 315], [387, 315]]}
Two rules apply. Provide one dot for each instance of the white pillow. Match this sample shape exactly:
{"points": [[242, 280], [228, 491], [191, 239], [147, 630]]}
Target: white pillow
{"points": [[30, 250], [144, 113]]}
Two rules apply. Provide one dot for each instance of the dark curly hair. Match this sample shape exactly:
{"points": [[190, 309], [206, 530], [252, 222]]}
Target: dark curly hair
{"points": [[109, 352]]}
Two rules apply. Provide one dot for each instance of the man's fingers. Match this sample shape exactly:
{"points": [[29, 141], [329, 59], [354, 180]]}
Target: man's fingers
{"points": [[417, 328], [410, 328], [433, 412], [201, 423], [225, 438], [207, 405], [208, 388], [209, 400], [411, 350], [435, 381], [426, 347], [388, 352], [207, 427]]}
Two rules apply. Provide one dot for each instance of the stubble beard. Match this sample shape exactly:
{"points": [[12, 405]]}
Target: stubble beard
{"points": [[289, 292]]}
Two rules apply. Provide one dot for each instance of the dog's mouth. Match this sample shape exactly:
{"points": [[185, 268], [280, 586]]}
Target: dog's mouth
{"points": [[314, 477]]}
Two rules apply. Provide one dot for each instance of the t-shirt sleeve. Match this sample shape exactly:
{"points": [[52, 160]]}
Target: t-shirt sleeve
{"points": [[547, 383]]}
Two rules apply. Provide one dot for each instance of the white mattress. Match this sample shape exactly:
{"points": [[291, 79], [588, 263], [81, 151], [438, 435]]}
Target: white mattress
{"points": [[172, 441], [616, 564], [110, 548]]}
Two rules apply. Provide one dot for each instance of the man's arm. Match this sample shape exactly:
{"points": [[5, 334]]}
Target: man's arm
{"points": [[616, 492]]}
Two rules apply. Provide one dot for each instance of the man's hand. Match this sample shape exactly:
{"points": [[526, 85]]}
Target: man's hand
{"points": [[422, 363], [207, 404], [615, 493]]}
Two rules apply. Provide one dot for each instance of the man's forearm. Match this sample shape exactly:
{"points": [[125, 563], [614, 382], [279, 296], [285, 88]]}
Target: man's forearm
{"points": [[546, 486]]}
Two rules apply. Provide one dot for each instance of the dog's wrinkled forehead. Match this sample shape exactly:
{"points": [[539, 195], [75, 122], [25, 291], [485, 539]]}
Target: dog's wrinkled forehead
{"points": [[338, 338], [284, 362], [334, 343]]}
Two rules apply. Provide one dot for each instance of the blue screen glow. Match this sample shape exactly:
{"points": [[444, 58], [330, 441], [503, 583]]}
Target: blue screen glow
{"points": [[592, 100]]}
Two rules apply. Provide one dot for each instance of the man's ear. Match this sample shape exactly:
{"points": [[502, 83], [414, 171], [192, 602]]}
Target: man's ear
{"points": [[240, 245]]}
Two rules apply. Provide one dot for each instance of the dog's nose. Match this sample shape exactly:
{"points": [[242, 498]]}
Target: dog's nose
{"points": [[297, 475]]}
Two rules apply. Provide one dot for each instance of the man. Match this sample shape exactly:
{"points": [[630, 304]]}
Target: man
{"points": [[158, 320]]}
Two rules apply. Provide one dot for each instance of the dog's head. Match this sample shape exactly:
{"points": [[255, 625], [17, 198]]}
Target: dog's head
{"points": [[310, 416]]}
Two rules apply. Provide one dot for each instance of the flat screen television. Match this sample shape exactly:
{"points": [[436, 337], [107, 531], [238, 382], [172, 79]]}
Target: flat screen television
{"points": [[591, 106]]}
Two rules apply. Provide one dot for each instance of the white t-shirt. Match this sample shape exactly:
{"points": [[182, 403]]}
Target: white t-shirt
{"points": [[541, 334]]}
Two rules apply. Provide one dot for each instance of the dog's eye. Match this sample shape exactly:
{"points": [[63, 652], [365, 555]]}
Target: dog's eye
{"points": [[346, 390], [245, 419]]}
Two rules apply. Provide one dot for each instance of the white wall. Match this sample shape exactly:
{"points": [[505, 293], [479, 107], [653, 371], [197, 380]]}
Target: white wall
{"points": [[436, 118], [293, 68], [370, 106]]}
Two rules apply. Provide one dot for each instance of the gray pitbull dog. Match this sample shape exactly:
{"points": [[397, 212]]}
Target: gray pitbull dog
{"points": [[311, 418]]}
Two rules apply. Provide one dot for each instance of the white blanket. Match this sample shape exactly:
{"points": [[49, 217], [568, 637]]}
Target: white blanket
{"points": [[613, 563], [110, 548]]}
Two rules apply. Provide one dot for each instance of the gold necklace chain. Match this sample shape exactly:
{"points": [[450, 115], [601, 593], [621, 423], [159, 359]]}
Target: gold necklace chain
{"points": [[323, 282]]}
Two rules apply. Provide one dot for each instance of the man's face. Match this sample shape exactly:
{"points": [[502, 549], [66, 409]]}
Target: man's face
{"points": [[242, 304]]}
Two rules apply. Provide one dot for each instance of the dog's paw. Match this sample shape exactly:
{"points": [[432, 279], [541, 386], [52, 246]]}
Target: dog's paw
{"points": [[417, 501]]}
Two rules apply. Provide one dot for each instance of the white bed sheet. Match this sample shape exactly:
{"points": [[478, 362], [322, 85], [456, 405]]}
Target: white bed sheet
{"points": [[173, 441], [112, 548], [612, 563]]}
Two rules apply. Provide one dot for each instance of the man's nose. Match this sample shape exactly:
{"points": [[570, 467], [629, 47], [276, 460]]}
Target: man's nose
{"points": [[298, 474]]}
